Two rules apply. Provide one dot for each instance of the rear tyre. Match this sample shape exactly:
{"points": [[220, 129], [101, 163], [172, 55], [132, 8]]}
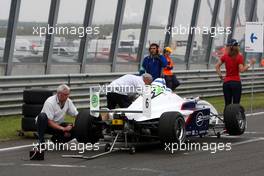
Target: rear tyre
{"points": [[172, 127], [86, 131], [235, 119]]}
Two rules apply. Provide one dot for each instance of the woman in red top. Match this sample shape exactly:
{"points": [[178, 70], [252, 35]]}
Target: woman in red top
{"points": [[234, 64]]}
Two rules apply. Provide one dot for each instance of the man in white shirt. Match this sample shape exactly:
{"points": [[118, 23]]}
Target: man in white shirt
{"points": [[121, 87], [51, 118]]}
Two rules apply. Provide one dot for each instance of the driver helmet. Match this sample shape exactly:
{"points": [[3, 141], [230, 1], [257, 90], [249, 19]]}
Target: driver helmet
{"points": [[159, 82]]}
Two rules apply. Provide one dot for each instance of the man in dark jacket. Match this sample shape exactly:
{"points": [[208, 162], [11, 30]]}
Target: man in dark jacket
{"points": [[154, 63]]}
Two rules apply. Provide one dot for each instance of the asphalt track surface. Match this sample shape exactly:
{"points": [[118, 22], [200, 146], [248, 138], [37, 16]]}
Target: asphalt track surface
{"points": [[246, 157]]}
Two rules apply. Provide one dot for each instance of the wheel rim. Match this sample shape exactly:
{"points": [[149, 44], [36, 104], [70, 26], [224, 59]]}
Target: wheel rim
{"points": [[179, 130], [241, 120]]}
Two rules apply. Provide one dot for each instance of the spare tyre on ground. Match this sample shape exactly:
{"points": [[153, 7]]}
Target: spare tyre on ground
{"points": [[31, 110], [33, 102], [36, 96]]}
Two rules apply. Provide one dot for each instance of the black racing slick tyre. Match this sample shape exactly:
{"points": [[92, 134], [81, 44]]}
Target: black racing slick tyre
{"points": [[31, 110], [235, 119], [36, 96], [28, 124], [86, 130], [172, 127]]}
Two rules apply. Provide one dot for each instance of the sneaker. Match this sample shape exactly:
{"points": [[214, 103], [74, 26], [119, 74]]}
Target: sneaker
{"points": [[40, 147]]}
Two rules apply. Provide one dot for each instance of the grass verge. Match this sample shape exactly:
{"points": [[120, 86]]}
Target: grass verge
{"points": [[9, 125], [258, 102]]}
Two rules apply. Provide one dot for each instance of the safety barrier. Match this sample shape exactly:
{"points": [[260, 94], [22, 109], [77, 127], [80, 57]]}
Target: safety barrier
{"points": [[203, 83]]}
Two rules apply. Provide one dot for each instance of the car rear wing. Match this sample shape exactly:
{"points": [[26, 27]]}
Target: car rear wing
{"points": [[95, 103]]}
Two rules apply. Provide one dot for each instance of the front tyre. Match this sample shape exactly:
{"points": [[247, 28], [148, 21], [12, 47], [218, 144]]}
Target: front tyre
{"points": [[235, 119]]}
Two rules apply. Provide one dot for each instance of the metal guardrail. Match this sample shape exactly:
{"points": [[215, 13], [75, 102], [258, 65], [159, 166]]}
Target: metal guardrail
{"points": [[203, 83]]}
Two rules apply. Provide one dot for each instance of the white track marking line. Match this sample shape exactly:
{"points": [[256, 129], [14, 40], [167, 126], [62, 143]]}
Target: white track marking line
{"points": [[55, 165], [7, 164], [255, 114], [253, 132], [248, 141], [26, 146], [15, 148], [232, 144], [142, 169]]}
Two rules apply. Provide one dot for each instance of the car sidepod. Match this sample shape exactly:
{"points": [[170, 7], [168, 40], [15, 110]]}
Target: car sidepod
{"points": [[197, 124]]}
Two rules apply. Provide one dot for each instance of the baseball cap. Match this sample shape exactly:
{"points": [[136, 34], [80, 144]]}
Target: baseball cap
{"points": [[232, 42]]}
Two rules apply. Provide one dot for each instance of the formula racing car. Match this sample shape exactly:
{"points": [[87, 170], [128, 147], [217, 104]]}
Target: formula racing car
{"points": [[157, 114]]}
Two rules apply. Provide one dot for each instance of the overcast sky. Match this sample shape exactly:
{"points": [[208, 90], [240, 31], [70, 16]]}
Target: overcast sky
{"points": [[73, 11]]}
